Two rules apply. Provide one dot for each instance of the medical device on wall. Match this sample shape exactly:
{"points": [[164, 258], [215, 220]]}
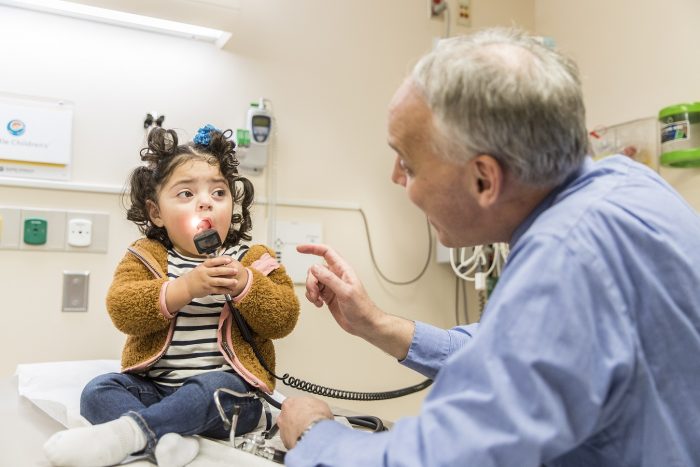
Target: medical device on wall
{"points": [[481, 265], [254, 152], [253, 141]]}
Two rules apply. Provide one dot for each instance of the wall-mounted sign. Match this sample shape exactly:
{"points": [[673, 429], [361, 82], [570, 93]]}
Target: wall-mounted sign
{"points": [[35, 137]]}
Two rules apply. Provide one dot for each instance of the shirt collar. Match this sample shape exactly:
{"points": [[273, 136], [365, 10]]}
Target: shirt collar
{"points": [[549, 200]]}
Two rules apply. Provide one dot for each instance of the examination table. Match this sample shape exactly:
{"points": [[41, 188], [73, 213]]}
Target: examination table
{"points": [[49, 403]]}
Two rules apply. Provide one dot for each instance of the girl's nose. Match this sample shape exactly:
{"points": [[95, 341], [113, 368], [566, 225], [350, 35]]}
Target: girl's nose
{"points": [[204, 204]]}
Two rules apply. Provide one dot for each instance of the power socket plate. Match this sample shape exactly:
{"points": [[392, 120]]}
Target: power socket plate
{"points": [[12, 232], [75, 290], [464, 13]]}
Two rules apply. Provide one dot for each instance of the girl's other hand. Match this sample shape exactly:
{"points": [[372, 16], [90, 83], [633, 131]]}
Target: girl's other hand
{"points": [[215, 276]]}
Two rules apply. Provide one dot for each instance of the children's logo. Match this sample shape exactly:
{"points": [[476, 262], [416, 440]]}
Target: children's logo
{"points": [[16, 127]]}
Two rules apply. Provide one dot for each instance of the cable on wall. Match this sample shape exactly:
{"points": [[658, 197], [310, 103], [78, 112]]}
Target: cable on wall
{"points": [[481, 265], [271, 184], [376, 266]]}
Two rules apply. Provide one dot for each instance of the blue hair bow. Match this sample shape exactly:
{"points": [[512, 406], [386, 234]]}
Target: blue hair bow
{"points": [[203, 136]]}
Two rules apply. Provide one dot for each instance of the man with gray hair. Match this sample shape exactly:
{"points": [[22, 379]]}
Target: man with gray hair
{"points": [[588, 350]]}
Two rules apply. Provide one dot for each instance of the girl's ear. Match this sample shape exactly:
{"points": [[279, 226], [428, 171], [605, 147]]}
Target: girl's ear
{"points": [[154, 213]]}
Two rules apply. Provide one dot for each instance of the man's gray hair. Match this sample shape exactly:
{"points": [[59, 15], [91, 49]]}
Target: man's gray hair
{"points": [[503, 93]]}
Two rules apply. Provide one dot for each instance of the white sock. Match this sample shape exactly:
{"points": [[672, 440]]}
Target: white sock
{"points": [[97, 445], [174, 450]]}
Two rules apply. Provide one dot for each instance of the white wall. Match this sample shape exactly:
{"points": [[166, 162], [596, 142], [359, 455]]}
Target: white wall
{"points": [[636, 57], [329, 68]]}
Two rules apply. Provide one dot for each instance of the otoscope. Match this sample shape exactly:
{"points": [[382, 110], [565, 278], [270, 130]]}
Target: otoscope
{"points": [[207, 242]]}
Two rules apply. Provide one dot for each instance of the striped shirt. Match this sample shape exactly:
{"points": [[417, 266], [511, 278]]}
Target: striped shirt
{"points": [[194, 348]]}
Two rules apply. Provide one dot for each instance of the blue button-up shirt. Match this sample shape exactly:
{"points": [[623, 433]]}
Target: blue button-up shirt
{"points": [[588, 353]]}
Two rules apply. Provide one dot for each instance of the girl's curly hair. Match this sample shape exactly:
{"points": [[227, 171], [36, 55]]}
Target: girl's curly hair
{"points": [[162, 156]]}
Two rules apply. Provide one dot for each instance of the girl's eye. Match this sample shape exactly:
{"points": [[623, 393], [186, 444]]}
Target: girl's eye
{"points": [[220, 193], [185, 194]]}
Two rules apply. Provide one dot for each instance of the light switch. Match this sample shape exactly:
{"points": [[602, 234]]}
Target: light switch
{"points": [[75, 290]]}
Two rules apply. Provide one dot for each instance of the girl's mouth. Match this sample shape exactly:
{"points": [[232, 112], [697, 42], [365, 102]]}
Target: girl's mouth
{"points": [[204, 224]]}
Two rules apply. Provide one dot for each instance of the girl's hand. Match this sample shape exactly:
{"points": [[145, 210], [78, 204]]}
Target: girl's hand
{"points": [[241, 277], [215, 276]]}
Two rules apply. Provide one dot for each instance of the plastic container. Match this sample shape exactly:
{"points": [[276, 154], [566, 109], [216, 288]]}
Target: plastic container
{"points": [[680, 135], [636, 139]]}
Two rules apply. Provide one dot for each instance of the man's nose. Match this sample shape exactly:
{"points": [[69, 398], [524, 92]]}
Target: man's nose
{"points": [[397, 174]]}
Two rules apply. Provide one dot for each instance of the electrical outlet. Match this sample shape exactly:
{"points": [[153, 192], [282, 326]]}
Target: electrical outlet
{"points": [[79, 232], [75, 290], [464, 14], [91, 232], [32, 222], [9, 228]]}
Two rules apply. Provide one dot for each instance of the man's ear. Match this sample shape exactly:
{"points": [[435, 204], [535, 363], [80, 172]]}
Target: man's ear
{"points": [[489, 179], [154, 213]]}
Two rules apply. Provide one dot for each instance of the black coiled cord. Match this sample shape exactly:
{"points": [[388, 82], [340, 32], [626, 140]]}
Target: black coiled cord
{"points": [[374, 424], [312, 388], [317, 389]]}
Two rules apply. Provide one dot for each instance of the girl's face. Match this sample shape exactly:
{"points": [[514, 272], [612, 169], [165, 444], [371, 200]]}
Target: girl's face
{"points": [[195, 197]]}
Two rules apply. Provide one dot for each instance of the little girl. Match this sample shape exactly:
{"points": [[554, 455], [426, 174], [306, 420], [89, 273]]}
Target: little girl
{"points": [[182, 343]]}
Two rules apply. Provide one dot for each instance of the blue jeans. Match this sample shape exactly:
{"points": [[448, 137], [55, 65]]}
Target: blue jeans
{"points": [[158, 410]]}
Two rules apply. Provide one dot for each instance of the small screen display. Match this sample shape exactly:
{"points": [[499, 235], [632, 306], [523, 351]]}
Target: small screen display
{"points": [[261, 120], [207, 242]]}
